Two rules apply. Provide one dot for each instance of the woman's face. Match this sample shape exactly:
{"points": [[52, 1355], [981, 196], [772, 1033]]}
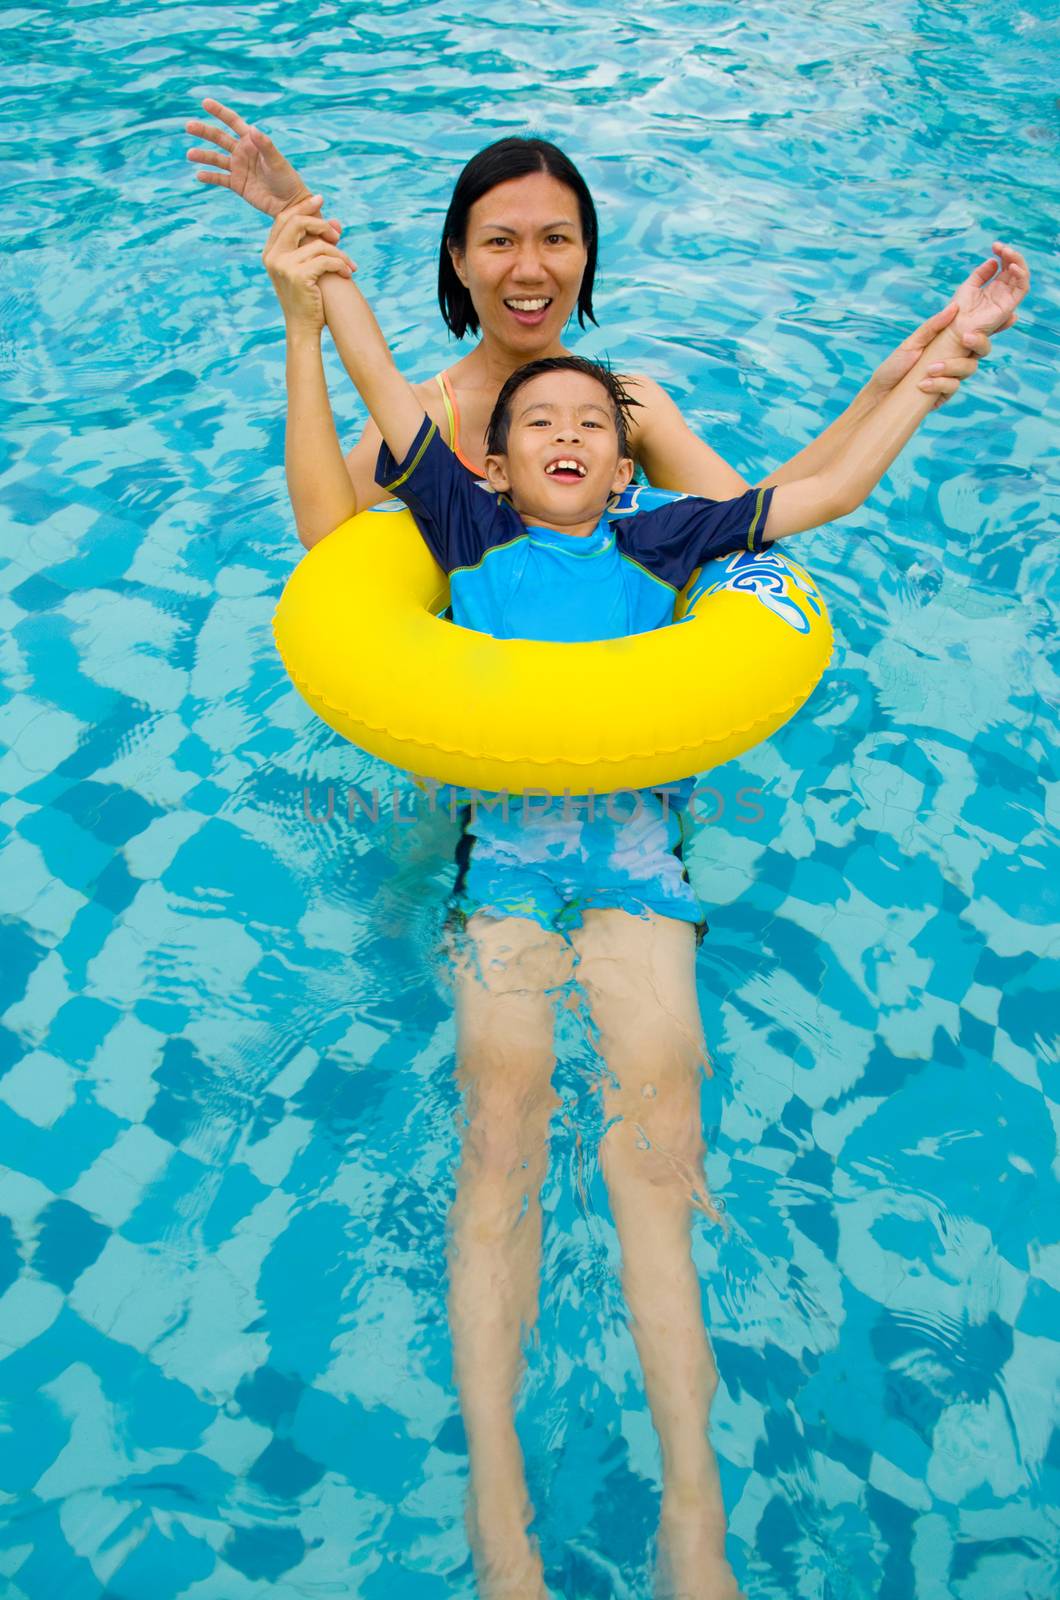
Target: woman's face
{"points": [[523, 261]]}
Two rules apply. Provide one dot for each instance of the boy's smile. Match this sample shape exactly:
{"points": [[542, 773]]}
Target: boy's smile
{"points": [[562, 463]]}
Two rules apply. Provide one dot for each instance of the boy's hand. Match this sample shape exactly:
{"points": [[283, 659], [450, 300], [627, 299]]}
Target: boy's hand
{"points": [[251, 165], [297, 255], [987, 299]]}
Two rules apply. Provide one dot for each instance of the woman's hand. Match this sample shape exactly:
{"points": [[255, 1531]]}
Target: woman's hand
{"points": [[251, 165], [948, 374], [297, 255]]}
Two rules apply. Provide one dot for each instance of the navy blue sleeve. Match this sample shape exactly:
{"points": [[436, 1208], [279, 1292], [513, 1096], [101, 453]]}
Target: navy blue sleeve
{"points": [[672, 540], [458, 518]]}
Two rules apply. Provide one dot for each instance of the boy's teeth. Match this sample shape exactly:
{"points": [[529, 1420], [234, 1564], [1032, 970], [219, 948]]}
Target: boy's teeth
{"points": [[566, 466]]}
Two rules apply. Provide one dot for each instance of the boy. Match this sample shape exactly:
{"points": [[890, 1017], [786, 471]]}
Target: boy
{"points": [[536, 556]]}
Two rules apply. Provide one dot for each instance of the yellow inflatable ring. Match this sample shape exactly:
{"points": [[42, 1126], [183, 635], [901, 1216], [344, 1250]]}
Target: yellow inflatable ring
{"points": [[358, 630]]}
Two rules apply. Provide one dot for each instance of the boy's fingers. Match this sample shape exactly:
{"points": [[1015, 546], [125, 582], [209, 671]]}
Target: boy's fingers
{"points": [[287, 233], [291, 228], [298, 207], [314, 250]]}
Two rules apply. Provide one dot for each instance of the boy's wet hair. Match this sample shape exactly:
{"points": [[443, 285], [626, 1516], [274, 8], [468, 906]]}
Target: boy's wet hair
{"points": [[620, 398], [514, 157]]}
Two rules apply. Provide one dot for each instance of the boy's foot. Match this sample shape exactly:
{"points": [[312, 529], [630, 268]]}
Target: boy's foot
{"points": [[691, 1553], [507, 1564]]}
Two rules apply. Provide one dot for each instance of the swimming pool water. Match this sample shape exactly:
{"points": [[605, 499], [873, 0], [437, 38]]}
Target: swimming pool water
{"points": [[226, 1099]]}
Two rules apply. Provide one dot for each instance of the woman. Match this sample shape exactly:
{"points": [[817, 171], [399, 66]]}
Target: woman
{"points": [[518, 256], [495, 258]]}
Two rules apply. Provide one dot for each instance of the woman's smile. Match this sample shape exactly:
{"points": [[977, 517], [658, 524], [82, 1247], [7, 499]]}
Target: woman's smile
{"points": [[530, 312]]}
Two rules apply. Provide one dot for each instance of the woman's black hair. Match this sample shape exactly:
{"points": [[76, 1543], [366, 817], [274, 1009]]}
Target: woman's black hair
{"points": [[621, 400], [515, 157]]}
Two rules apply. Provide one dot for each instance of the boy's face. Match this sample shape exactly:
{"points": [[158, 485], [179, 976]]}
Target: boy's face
{"points": [[562, 464]]}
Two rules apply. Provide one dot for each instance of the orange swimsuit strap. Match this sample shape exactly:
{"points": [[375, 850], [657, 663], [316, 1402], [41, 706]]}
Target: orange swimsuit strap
{"points": [[453, 415]]}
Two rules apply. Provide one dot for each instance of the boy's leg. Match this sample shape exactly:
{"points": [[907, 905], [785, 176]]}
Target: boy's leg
{"points": [[504, 970], [638, 975]]}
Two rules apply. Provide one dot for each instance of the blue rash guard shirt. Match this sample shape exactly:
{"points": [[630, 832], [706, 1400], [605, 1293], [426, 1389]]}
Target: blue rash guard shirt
{"points": [[520, 582]]}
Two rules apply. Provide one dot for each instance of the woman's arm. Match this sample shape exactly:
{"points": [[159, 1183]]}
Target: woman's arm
{"points": [[670, 454], [318, 483], [298, 255], [308, 274], [953, 361], [986, 302], [359, 465], [674, 458]]}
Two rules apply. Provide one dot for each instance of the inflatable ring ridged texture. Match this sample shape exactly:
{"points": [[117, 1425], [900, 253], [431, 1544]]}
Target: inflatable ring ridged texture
{"points": [[358, 630]]}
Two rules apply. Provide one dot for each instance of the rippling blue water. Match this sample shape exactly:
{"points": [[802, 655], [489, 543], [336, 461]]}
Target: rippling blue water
{"points": [[226, 1097]]}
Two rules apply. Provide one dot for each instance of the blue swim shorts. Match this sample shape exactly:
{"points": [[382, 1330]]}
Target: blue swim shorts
{"points": [[623, 850]]}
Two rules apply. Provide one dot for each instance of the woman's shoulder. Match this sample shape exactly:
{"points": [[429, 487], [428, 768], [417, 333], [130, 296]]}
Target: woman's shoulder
{"points": [[644, 389], [668, 451], [429, 390], [652, 407]]}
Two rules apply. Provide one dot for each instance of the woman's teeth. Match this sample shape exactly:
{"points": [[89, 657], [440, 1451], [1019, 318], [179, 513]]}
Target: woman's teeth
{"points": [[528, 305]]}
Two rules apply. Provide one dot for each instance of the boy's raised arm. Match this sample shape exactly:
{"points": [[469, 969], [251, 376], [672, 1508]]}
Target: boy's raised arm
{"points": [[986, 301], [393, 403]]}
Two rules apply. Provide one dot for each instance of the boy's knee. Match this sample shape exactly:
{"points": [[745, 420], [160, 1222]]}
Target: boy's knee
{"points": [[654, 1045], [506, 1111], [654, 1076], [506, 1149], [662, 1150]]}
